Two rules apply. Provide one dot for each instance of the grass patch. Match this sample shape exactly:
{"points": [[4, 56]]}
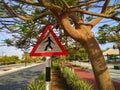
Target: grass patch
{"points": [[38, 84], [81, 67], [75, 83], [55, 65]]}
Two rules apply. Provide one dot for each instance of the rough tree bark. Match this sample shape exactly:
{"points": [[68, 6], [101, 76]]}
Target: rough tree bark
{"points": [[98, 63], [86, 38]]}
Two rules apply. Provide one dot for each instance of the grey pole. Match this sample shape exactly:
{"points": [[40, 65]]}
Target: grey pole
{"points": [[48, 71]]}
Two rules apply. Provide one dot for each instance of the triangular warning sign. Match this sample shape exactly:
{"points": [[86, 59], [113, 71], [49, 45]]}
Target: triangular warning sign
{"points": [[48, 44]]}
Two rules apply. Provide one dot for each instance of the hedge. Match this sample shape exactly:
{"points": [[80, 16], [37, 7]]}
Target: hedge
{"points": [[75, 83]]}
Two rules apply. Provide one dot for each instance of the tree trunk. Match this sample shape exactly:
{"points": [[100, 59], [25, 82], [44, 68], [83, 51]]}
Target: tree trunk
{"points": [[99, 66], [84, 36]]}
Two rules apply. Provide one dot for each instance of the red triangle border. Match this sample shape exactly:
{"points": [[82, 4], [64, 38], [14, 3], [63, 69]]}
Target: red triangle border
{"points": [[33, 52]]}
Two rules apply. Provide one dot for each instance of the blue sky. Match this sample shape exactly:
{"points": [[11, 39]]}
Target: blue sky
{"points": [[5, 50]]}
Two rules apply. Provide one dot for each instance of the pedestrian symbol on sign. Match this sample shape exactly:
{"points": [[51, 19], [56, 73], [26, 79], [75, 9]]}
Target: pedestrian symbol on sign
{"points": [[48, 41]]}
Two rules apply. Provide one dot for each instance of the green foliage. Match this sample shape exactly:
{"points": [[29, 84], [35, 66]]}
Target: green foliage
{"points": [[38, 84], [109, 33], [2, 10], [34, 59], [43, 58], [117, 66], [27, 34], [70, 2], [5, 60], [9, 42], [55, 65], [89, 18], [76, 54], [83, 67], [74, 83], [115, 13]]}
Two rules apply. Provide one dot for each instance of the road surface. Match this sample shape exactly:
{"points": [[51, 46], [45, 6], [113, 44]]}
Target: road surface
{"points": [[18, 80]]}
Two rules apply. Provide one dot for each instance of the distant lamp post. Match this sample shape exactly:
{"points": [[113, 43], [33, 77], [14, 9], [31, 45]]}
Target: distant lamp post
{"points": [[117, 46]]}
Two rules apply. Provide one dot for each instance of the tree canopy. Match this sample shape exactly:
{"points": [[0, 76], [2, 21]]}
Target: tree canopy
{"points": [[15, 12], [109, 33], [27, 17]]}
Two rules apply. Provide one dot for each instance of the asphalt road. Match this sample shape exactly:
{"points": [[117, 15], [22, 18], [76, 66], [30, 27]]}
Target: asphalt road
{"points": [[18, 80]]}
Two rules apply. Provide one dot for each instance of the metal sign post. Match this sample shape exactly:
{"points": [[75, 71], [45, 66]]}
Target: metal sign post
{"points": [[48, 73]]}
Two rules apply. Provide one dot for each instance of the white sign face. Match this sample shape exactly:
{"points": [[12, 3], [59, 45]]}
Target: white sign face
{"points": [[48, 44]]}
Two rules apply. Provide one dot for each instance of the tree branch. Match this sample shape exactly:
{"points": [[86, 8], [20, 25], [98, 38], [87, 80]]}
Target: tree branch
{"points": [[41, 15], [105, 6], [65, 3], [23, 17], [75, 19], [94, 13], [14, 13], [30, 2], [106, 15], [87, 3], [97, 20]]}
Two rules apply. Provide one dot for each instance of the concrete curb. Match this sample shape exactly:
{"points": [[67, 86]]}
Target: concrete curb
{"points": [[14, 69]]}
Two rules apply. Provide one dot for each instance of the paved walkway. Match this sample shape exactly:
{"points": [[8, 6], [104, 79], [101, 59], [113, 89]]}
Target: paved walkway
{"points": [[115, 74], [89, 76]]}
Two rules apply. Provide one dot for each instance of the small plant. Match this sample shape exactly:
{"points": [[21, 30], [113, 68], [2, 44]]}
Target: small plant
{"points": [[83, 67], [55, 65], [38, 84], [74, 83]]}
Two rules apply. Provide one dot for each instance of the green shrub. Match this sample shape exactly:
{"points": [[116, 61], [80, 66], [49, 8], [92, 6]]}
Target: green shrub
{"points": [[38, 84], [55, 65], [74, 83], [83, 67], [116, 66], [6, 60]]}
